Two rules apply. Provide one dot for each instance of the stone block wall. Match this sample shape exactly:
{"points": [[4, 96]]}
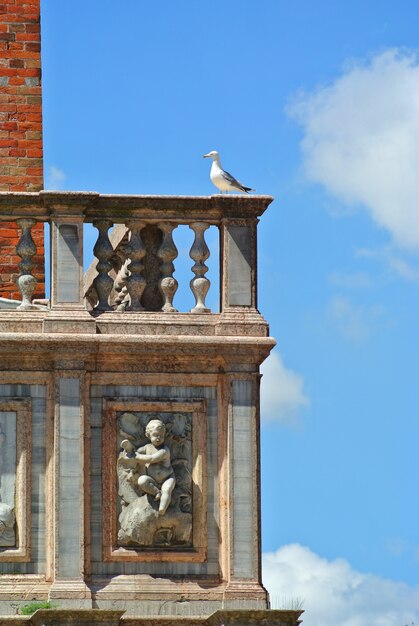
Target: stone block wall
{"points": [[21, 152]]}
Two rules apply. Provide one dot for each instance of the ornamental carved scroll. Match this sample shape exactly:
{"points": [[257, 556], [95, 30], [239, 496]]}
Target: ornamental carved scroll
{"points": [[158, 479]]}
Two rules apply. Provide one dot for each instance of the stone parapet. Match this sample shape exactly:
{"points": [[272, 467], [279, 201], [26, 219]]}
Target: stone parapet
{"points": [[135, 263]]}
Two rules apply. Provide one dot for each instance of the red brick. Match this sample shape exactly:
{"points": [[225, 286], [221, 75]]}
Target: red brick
{"points": [[34, 152], [36, 71], [8, 125], [16, 63], [27, 36], [34, 134], [14, 27], [16, 80], [17, 152], [7, 143], [35, 171], [17, 171], [9, 71], [7, 180], [8, 232], [34, 117], [7, 37], [14, 45], [5, 259], [33, 47], [32, 28]]}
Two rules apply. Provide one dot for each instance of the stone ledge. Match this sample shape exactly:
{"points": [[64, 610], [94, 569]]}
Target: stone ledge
{"points": [[122, 352], [239, 323], [75, 617]]}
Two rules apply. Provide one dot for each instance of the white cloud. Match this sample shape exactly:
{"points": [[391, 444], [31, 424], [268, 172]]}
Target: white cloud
{"points": [[353, 321], [393, 261], [350, 280], [55, 177], [333, 593], [282, 394], [404, 269], [361, 140]]}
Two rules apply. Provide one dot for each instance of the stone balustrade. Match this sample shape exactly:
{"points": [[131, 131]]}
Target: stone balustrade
{"points": [[135, 250]]}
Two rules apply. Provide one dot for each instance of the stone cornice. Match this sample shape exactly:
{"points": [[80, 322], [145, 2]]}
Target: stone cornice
{"points": [[46, 204]]}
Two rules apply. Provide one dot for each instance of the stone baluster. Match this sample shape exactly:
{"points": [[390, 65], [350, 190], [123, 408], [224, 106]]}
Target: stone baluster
{"points": [[135, 252], [120, 286], [26, 249], [167, 254], [199, 253], [103, 251]]}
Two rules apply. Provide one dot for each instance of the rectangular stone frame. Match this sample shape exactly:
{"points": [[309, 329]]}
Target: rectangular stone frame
{"points": [[113, 552], [23, 410]]}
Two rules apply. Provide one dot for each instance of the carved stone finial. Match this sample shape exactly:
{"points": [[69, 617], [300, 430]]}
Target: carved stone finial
{"points": [[199, 253], [167, 254]]}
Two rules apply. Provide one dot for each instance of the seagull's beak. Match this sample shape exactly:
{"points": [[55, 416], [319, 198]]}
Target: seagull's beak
{"points": [[205, 156]]}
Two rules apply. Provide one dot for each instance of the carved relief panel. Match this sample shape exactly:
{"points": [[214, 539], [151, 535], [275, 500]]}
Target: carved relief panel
{"points": [[153, 481], [15, 416]]}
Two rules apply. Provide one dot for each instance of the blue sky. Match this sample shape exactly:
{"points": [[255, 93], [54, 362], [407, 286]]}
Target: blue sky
{"points": [[318, 105]]}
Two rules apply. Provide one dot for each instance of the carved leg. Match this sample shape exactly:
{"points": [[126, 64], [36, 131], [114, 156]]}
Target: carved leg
{"points": [[166, 494], [149, 485]]}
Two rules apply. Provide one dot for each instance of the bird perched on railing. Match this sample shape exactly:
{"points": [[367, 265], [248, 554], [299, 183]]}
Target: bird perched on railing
{"points": [[222, 179]]}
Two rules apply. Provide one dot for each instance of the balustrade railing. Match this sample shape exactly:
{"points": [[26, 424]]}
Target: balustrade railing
{"points": [[135, 274]]}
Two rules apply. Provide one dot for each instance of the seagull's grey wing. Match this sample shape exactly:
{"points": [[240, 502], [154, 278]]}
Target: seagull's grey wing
{"points": [[229, 178], [234, 182]]}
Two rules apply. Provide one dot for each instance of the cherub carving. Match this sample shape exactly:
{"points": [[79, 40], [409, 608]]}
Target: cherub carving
{"points": [[156, 475]]}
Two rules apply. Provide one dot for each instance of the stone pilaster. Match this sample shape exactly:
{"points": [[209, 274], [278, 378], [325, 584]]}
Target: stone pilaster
{"points": [[69, 492]]}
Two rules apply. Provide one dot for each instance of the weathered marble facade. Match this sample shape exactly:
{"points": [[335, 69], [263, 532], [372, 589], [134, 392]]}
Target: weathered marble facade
{"points": [[129, 431]]}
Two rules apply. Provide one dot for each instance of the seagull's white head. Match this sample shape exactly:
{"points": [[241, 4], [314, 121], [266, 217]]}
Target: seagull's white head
{"points": [[214, 155]]}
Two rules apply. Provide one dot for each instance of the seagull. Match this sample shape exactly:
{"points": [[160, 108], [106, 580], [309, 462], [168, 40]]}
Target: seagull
{"points": [[222, 179]]}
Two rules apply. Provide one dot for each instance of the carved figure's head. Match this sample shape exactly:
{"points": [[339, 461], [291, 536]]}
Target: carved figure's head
{"points": [[155, 431]]}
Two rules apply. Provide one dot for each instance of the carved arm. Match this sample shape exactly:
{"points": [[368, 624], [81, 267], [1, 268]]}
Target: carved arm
{"points": [[156, 457]]}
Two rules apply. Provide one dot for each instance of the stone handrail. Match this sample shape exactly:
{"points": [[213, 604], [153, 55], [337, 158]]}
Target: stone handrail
{"points": [[137, 274]]}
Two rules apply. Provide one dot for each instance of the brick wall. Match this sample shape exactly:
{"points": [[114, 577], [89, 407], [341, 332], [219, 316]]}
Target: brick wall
{"points": [[21, 162]]}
